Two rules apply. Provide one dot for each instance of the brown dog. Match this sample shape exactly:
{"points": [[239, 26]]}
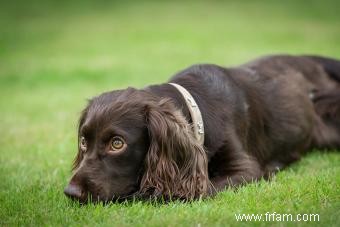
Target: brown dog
{"points": [[255, 119]]}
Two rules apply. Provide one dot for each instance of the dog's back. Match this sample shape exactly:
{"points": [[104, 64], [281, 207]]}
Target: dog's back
{"points": [[294, 101]]}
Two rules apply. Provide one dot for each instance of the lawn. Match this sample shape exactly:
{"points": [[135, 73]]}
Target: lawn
{"points": [[56, 54]]}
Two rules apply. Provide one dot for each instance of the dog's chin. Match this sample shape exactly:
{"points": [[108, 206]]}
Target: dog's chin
{"points": [[98, 198], [105, 199]]}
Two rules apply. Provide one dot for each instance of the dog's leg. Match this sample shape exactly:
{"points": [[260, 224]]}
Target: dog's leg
{"points": [[326, 102], [236, 179], [241, 169], [327, 120]]}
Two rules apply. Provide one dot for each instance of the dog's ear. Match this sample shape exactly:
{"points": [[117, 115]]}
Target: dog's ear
{"points": [[176, 165], [79, 156]]}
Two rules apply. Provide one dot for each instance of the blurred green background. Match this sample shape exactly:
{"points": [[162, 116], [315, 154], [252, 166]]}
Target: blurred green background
{"points": [[56, 54]]}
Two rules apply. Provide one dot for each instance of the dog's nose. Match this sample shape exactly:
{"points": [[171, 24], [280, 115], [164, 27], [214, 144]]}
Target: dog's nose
{"points": [[73, 191]]}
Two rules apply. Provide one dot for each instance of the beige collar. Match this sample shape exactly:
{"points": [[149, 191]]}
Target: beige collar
{"points": [[195, 113]]}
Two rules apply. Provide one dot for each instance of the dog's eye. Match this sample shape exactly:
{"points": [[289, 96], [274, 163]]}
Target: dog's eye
{"points": [[117, 143], [83, 144]]}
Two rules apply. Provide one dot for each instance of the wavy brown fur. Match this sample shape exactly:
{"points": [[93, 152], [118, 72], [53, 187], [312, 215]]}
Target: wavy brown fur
{"points": [[176, 164]]}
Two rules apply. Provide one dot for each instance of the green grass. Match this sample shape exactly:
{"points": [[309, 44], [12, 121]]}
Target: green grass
{"points": [[55, 55]]}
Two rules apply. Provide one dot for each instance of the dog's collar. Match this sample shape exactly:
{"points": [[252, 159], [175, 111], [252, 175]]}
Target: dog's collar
{"points": [[195, 113]]}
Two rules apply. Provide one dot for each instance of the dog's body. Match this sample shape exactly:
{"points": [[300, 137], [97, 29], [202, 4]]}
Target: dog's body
{"points": [[258, 118]]}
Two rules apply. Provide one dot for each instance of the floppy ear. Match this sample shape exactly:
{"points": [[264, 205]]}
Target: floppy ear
{"points": [[176, 165], [79, 156]]}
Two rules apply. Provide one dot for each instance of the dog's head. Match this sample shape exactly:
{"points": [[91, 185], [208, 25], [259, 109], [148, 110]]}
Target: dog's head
{"points": [[132, 143]]}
